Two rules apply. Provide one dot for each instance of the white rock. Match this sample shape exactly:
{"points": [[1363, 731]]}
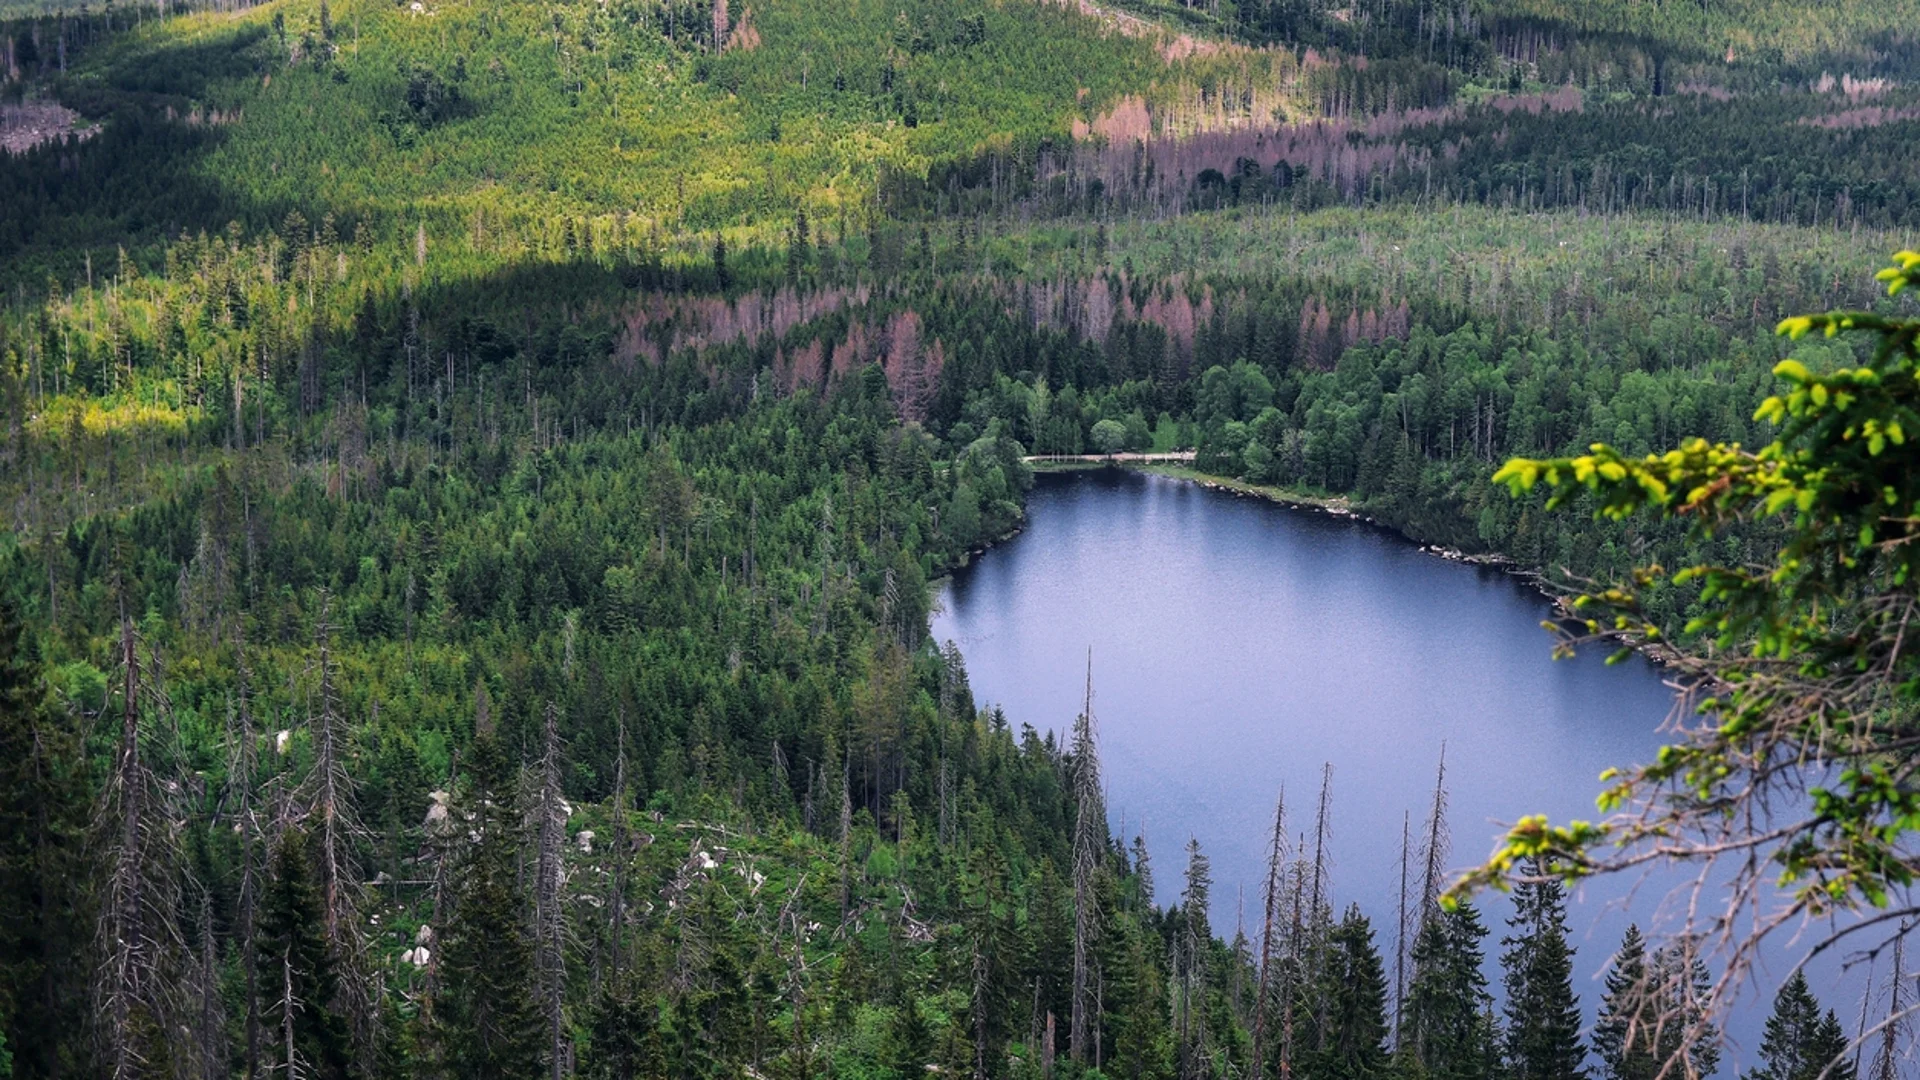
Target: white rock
{"points": [[282, 741], [585, 839]]}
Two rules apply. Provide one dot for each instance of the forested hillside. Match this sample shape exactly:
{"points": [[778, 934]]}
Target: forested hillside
{"points": [[474, 474]]}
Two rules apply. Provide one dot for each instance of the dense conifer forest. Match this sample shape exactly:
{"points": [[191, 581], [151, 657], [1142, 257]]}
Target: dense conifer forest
{"points": [[475, 475]]}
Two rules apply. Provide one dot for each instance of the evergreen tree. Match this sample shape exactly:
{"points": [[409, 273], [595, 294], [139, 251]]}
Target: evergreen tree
{"points": [[1624, 1034], [623, 1031], [1684, 985], [991, 947], [1543, 1015], [1448, 1032], [305, 1035], [42, 823], [493, 1027], [1194, 942], [1800, 1042], [1143, 1049], [1353, 987]]}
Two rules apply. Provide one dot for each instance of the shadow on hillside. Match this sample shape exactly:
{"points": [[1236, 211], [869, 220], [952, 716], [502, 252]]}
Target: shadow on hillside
{"points": [[141, 179]]}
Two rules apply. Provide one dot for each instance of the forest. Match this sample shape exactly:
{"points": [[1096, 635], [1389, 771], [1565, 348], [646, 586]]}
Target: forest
{"points": [[475, 477]]}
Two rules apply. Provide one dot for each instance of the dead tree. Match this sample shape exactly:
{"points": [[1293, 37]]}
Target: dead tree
{"points": [[1434, 849], [1400, 928], [1438, 844], [329, 806], [1319, 910], [846, 836], [211, 1030], [617, 901], [1272, 912], [549, 920], [242, 766], [1885, 1066], [137, 990]]}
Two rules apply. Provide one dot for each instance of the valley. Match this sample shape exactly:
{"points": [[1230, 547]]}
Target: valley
{"points": [[564, 539]]}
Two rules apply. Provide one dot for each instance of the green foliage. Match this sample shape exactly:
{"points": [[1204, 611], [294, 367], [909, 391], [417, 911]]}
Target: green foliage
{"points": [[1814, 641], [43, 812], [1447, 1029], [1800, 1041], [1543, 1015], [308, 1036], [489, 1025], [1351, 1043]]}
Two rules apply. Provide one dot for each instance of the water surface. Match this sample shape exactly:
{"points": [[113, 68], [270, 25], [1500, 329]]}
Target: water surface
{"points": [[1238, 645]]}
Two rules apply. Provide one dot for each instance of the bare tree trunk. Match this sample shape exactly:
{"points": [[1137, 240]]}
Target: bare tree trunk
{"points": [[617, 902], [211, 1032], [136, 993], [1439, 843], [331, 802], [240, 780], [846, 835], [290, 1064], [1271, 913], [125, 901], [1400, 929], [1317, 898], [1885, 1067], [980, 1004], [549, 922]]}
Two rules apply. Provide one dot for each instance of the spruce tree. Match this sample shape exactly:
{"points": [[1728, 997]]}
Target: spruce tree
{"points": [[1447, 1033], [1800, 1042], [493, 1027], [1353, 987], [42, 825], [305, 1035], [1684, 984], [1194, 941], [1543, 1015], [1624, 1034]]}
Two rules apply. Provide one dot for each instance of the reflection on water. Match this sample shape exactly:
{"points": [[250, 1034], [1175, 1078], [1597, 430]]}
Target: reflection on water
{"points": [[1238, 645]]}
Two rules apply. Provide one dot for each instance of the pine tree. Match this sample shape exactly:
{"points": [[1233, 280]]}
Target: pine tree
{"points": [[1543, 1016], [1353, 987], [493, 1027], [310, 1037], [1800, 1042]]}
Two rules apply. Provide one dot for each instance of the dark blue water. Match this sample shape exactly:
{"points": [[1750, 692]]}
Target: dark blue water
{"points": [[1238, 645]]}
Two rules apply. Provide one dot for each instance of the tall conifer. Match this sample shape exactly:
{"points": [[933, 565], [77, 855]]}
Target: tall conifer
{"points": [[1543, 1015], [42, 822], [1353, 990], [307, 1035], [493, 1026]]}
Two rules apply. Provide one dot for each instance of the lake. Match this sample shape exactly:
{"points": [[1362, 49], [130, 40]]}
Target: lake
{"points": [[1238, 645]]}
